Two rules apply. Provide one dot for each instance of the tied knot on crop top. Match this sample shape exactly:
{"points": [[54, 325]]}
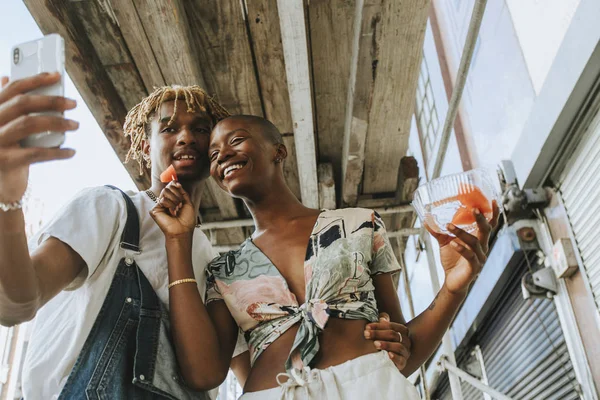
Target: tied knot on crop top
{"points": [[345, 249]]}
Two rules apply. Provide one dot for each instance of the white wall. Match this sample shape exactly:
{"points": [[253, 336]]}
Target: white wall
{"points": [[541, 28]]}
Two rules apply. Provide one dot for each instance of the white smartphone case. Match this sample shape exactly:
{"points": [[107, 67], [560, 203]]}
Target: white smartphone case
{"points": [[31, 58]]}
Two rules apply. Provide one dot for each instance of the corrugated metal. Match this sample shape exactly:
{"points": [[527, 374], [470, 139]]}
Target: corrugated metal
{"points": [[523, 348], [580, 188]]}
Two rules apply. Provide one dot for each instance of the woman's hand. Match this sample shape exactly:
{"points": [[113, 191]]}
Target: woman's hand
{"points": [[390, 336], [463, 256], [174, 212]]}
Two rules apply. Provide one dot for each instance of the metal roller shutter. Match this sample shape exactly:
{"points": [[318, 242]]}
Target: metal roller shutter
{"points": [[524, 349], [580, 189]]}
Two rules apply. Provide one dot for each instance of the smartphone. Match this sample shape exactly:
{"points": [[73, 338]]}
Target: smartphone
{"points": [[31, 58]]}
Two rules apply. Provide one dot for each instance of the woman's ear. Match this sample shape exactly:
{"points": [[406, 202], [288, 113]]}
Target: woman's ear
{"points": [[281, 152]]}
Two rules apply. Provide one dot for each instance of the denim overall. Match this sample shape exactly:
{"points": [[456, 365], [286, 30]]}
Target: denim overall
{"points": [[128, 353]]}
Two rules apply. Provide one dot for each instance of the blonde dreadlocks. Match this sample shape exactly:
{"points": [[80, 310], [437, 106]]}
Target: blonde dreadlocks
{"points": [[137, 119]]}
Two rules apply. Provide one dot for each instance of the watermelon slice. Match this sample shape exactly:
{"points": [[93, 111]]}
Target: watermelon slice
{"points": [[471, 198], [168, 175]]}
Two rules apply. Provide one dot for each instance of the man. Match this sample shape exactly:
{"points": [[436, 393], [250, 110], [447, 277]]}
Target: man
{"points": [[95, 278]]}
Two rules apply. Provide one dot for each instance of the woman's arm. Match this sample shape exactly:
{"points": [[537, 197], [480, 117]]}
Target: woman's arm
{"points": [[204, 336], [463, 257]]}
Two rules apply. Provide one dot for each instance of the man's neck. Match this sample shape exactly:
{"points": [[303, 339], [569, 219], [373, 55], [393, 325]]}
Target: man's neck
{"points": [[194, 190]]}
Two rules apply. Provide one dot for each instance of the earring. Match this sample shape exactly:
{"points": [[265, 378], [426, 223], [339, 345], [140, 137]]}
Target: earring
{"points": [[278, 160]]}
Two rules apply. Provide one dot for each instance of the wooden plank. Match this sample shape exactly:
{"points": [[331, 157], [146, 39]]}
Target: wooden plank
{"points": [[295, 50], [367, 15], [168, 32], [399, 57], [225, 57], [290, 165], [326, 187], [137, 42], [262, 19], [105, 36], [89, 76], [331, 32], [408, 181], [169, 35]]}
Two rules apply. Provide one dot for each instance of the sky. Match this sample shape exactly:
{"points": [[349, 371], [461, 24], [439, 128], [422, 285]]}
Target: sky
{"points": [[52, 184]]}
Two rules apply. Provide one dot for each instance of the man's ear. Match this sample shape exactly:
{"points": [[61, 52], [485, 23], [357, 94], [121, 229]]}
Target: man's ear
{"points": [[146, 147]]}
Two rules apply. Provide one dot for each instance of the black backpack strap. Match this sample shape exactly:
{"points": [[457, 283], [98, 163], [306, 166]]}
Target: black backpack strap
{"points": [[130, 238]]}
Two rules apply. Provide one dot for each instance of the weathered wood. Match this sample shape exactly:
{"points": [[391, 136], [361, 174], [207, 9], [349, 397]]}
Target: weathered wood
{"points": [[221, 41], [408, 181], [137, 42], [360, 92], [265, 37], [89, 76], [399, 58], [101, 28], [331, 29], [168, 33], [326, 187], [295, 50], [168, 30], [290, 165]]}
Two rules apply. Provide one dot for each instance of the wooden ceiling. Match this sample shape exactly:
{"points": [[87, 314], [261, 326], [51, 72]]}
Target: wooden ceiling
{"points": [[337, 77]]}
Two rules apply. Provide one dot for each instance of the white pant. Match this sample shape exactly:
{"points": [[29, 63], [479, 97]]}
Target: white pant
{"points": [[369, 377]]}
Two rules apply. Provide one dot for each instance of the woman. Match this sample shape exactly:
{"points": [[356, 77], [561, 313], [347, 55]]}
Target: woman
{"points": [[305, 309]]}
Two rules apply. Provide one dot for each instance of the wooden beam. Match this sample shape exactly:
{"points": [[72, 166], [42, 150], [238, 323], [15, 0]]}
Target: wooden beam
{"points": [[326, 187], [365, 33], [402, 33], [262, 20], [105, 36], [408, 181], [136, 38], [331, 30], [224, 54], [168, 32], [89, 76], [295, 50]]}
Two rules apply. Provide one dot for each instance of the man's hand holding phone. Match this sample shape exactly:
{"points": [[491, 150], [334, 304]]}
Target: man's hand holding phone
{"points": [[22, 115]]}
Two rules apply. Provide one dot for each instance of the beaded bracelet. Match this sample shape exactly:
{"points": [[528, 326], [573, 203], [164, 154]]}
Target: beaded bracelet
{"points": [[15, 205]]}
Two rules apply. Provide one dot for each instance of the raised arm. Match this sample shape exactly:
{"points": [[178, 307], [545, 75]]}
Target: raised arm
{"points": [[204, 336], [27, 281], [463, 258]]}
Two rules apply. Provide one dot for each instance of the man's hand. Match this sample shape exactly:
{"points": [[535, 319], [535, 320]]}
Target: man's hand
{"points": [[463, 256], [392, 337], [19, 119]]}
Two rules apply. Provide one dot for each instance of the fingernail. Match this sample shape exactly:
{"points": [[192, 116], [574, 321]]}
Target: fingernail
{"points": [[367, 334], [72, 124], [391, 355], [377, 344], [454, 244], [54, 74], [476, 211], [70, 103], [450, 227]]}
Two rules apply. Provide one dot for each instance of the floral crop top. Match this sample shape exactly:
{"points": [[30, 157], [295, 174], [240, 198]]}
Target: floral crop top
{"points": [[345, 249]]}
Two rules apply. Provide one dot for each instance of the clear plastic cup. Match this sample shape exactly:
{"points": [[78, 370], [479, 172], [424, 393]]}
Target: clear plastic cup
{"points": [[452, 198]]}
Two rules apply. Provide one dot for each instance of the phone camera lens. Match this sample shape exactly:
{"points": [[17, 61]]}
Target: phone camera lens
{"points": [[16, 55]]}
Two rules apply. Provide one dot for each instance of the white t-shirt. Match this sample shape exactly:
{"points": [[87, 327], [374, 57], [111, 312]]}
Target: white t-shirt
{"points": [[92, 225]]}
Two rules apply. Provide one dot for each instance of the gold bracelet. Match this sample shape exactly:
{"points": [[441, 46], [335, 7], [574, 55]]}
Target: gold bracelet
{"points": [[177, 282]]}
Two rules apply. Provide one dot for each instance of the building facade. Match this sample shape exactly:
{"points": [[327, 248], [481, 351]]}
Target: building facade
{"points": [[531, 97]]}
